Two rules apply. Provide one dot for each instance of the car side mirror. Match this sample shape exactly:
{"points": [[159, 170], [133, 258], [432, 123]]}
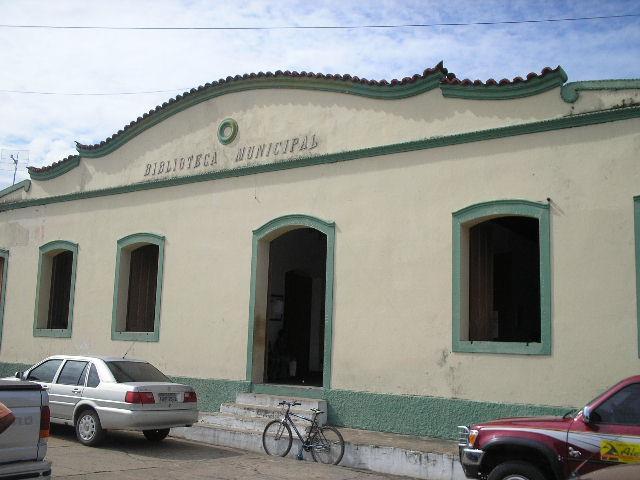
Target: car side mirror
{"points": [[586, 414], [19, 375]]}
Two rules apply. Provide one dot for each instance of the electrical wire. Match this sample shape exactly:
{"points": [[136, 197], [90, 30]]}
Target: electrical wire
{"points": [[333, 27]]}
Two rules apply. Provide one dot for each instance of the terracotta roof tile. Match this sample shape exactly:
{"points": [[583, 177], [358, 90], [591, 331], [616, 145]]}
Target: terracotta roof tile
{"points": [[451, 79]]}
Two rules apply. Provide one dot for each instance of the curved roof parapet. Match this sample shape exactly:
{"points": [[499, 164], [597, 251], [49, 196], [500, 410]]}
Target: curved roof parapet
{"points": [[431, 78], [55, 169], [504, 89], [353, 85]]}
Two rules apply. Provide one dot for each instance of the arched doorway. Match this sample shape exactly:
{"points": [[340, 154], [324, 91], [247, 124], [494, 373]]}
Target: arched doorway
{"points": [[290, 320]]}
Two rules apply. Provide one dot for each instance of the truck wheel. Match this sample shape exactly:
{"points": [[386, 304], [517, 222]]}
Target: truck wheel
{"points": [[88, 428], [156, 435], [516, 471]]}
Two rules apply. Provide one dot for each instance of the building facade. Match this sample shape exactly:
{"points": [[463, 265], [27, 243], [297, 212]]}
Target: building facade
{"points": [[422, 253]]}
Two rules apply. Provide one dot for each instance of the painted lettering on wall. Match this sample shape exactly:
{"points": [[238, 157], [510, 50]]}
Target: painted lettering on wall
{"points": [[190, 162], [267, 152], [273, 149]]}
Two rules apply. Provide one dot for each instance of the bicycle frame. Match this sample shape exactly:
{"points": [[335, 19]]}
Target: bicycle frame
{"points": [[313, 427]]}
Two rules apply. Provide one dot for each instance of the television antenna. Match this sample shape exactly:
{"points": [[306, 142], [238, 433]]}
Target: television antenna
{"points": [[12, 159]]}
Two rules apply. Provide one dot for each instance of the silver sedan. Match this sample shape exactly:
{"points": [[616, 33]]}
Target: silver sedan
{"points": [[96, 394]]}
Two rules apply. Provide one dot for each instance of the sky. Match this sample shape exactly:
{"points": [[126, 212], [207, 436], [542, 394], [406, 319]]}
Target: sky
{"points": [[84, 72]]}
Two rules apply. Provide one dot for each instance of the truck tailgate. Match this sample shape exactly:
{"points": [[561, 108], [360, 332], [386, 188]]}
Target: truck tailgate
{"points": [[21, 441]]}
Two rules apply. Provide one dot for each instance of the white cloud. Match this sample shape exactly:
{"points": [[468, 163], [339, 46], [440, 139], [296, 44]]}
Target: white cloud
{"points": [[120, 61]]}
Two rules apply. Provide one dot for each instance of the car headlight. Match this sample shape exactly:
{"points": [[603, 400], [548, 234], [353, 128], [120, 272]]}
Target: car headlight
{"points": [[473, 434]]}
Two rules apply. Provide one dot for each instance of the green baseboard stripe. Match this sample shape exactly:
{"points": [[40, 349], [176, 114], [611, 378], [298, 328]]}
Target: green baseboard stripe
{"points": [[9, 369], [213, 393], [406, 414]]}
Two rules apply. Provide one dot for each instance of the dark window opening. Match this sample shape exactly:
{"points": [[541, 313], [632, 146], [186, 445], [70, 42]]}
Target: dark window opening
{"points": [[504, 280], [141, 300], [60, 290]]}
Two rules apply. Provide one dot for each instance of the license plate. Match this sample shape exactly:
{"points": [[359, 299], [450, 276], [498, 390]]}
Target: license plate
{"points": [[168, 397]]}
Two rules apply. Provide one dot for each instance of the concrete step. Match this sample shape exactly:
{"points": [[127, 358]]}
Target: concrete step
{"points": [[378, 452], [266, 400], [270, 412], [237, 422]]}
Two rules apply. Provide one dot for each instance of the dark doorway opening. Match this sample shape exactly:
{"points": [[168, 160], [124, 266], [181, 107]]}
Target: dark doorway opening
{"points": [[296, 308]]}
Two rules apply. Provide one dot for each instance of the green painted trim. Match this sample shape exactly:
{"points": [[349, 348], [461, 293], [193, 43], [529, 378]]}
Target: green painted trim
{"points": [[44, 250], [4, 254], [636, 227], [296, 220], [572, 121], [24, 184], [227, 139], [498, 208], [570, 91], [129, 240], [506, 92], [8, 369], [383, 92], [405, 414], [56, 170]]}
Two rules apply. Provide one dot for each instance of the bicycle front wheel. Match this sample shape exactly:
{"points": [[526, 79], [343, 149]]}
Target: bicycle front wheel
{"points": [[276, 438], [327, 446]]}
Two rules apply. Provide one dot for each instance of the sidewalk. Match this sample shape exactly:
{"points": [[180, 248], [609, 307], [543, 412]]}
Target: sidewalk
{"points": [[418, 457]]}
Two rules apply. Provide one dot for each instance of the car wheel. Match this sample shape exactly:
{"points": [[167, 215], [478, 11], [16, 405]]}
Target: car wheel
{"points": [[156, 435], [88, 428], [516, 471]]}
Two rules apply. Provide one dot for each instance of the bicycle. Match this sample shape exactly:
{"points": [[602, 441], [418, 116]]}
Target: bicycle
{"points": [[325, 443]]}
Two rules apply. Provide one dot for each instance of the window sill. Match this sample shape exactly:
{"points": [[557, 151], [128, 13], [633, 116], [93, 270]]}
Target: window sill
{"points": [[516, 348], [52, 332], [136, 336]]}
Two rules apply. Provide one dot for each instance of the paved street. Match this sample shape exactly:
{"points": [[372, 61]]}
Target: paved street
{"points": [[129, 456]]}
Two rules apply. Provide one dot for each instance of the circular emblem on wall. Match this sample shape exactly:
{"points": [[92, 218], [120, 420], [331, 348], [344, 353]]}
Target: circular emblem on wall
{"points": [[227, 131]]}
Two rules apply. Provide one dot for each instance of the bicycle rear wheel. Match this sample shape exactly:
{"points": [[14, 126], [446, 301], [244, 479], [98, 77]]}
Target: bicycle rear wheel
{"points": [[327, 446], [276, 438]]}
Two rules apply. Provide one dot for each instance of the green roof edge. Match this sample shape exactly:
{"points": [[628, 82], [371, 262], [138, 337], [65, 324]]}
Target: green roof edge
{"points": [[526, 88], [25, 184], [570, 121], [570, 91]]}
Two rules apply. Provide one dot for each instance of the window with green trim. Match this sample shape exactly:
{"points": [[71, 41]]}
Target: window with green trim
{"points": [[138, 287], [55, 289], [501, 278]]}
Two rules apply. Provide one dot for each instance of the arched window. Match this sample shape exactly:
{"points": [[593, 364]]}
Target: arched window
{"points": [[55, 289], [501, 278], [138, 288]]}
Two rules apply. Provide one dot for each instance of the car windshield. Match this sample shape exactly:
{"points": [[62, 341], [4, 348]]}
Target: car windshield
{"points": [[124, 371]]}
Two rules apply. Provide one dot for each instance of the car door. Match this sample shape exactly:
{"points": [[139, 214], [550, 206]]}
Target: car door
{"points": [[610, 436], [67, 388], [44, 373]]}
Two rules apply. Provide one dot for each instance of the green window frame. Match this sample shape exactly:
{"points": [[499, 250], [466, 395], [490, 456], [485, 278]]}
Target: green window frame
{"points": [[43, 285], [121, 284], [462, 221], [4, 255]]}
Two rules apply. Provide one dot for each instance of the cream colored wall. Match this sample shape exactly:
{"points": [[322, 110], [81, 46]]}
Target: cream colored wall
{"points": [[392, 310], [392, 317], [340, 122]]}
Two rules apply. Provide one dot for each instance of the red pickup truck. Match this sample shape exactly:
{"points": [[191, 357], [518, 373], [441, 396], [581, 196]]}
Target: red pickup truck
{"points": [[605, 432]]}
